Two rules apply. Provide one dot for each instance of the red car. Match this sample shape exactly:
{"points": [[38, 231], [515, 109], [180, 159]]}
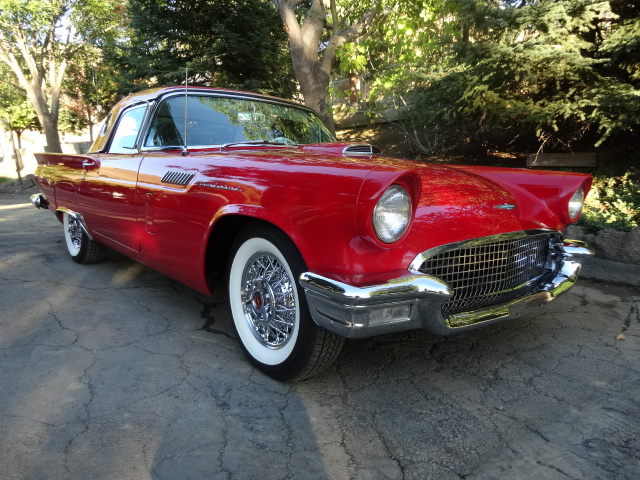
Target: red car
{"points": [[319, 240]]}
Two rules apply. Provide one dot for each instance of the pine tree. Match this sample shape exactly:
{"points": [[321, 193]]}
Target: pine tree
{"points": [[533, 72], [224, 43]]}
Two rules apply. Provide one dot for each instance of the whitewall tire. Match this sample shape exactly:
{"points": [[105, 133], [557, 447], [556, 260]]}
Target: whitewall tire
{"points": [[81, 248], [269, 308]]}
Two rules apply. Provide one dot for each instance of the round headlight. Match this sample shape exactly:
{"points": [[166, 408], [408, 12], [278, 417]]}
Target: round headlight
{"points": [[575, 204], [392, 214]]}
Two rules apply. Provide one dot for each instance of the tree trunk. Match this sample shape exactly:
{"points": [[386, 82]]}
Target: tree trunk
{"points": [[48, 121], [353, 88], [16, 155], [312, 71], [52, 135], [314, 86]]}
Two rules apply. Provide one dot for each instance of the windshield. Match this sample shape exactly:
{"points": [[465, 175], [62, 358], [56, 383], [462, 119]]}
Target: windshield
{"points": [[220, 120]]}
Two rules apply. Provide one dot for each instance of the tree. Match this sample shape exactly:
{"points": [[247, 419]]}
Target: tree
{"points": [[16, 113], [314, 50], [530, 72], [90, 90], [621, 43], [40, 38], [236, 44], [404, 39]]}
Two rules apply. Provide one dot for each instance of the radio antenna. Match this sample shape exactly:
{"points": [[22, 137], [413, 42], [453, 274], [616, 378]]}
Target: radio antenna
{"points": [[185, 151]]}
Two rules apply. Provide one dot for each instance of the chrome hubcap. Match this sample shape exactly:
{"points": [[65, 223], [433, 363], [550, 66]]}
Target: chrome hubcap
{"points": [[268, 300]]}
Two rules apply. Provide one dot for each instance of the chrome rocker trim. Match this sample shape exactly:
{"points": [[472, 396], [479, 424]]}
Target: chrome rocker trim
{"points": [[415, 301]]}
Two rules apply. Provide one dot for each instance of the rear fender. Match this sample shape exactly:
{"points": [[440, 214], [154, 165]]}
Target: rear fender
{"points": [[59, 175]]}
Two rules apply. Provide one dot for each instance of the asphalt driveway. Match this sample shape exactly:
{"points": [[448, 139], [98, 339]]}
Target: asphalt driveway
{"points": [[113, 371]]}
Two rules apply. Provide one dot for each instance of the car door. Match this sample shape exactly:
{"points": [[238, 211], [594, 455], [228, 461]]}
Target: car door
{"points": [[174, 208], [108, 188]]}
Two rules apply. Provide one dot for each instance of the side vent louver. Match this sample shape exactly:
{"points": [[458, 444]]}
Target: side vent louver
{"points": [[177, 178], [361, 149]]}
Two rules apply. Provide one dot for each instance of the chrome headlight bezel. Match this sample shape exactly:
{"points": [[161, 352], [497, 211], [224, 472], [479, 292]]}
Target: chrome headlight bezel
{"points": [[575, 204], [392, 214]]}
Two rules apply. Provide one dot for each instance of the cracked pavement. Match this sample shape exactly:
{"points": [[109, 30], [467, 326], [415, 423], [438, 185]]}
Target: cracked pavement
{"points": [[113, 371]]}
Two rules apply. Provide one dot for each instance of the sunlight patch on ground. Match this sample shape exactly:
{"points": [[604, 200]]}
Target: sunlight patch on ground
{"points": [[13, 207]]}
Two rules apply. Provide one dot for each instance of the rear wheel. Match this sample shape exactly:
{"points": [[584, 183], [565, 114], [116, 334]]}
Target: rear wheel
{"points": [[81, 248], [269, 308]]}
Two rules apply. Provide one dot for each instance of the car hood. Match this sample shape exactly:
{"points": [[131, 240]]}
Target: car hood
{"points": [[333, 157], [464, 204], [458, 202]]}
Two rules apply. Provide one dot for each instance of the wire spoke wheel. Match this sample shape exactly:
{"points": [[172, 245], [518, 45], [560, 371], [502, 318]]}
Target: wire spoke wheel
{"points": [[82, 249], [269, 307], [269, 300], [73, 234]]}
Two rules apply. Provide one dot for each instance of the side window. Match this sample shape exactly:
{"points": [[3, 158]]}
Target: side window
{"points": [[105, 126], [124, 137]]}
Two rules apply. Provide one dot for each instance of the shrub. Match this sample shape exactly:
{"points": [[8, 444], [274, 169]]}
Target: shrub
{"points": [[614, 202]]}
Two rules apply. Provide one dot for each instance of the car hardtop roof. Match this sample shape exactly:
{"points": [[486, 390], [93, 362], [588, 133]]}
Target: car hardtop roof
{"points": [[156, 93]]}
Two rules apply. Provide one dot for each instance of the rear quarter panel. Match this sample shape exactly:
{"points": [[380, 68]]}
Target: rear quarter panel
{"points": [[59, 176]]}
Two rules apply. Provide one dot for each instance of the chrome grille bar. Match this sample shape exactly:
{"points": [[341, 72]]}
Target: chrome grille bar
{"points": [[483, 275]]}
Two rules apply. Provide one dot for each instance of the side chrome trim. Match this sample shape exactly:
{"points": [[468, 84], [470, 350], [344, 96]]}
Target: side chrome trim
{"points": [[77, 216], [177, 177]]}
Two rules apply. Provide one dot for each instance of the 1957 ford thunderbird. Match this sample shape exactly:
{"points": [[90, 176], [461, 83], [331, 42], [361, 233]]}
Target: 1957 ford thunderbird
{"points": [[319, 241]]}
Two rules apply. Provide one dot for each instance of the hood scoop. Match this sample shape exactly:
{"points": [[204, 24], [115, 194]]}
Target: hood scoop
{"points": [[361, 149]]}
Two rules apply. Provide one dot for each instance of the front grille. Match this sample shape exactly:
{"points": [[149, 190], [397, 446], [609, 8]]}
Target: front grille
{"points": [[489, 274]]}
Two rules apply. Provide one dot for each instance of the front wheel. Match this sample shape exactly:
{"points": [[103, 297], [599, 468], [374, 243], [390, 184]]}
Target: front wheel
{"points": [[81, 248], [269, 308]]}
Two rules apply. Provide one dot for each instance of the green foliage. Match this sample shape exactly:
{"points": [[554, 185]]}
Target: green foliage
{"points": [[621, 45], [90, 90], [39, 39], [403, 36], [614, 202], [20, 116], [15, 110], [57, 30], [237, 44], [528, 73]]}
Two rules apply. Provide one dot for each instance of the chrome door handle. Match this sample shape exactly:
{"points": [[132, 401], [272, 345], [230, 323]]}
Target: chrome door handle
{"points": [[88, 164]]}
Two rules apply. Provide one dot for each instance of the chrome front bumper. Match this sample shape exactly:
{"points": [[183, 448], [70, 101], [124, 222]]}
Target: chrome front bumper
{"points": [[415, 301]]}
